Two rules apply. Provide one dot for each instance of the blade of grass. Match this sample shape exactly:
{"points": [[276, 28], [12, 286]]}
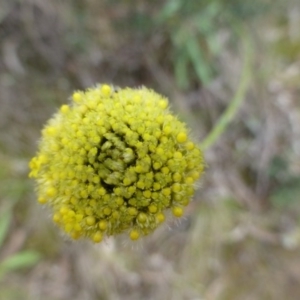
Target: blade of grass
{"points": [[20, 260], [169, 10], [181, 71], [197, 58], [5, 220]]}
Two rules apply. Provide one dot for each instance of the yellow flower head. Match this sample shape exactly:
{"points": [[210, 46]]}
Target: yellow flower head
{"points": [[114, 161]]}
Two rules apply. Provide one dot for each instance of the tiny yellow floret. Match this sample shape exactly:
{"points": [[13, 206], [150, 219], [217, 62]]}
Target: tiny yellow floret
{"points": [[152, 208], [177, 211], [106, 90], [189, 180], [97, 237], [77, 97], [90, 220], [181, 137], [56, 218], [163, 104], [132, 211], [142, 217], [134, 235], [51, 191], [107, 211], [160, 217], [189, 146], [64, 108], [42, 200], [102, 224]]}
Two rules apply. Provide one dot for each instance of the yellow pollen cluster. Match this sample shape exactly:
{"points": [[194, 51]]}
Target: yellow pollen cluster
{"points": [[114, 161]]}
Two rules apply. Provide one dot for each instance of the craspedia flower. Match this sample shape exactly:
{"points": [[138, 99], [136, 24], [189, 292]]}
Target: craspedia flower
{"points": [[114, 161]]}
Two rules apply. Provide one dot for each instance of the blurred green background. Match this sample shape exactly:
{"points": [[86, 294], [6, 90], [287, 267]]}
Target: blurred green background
{"points": [[231, 69]]}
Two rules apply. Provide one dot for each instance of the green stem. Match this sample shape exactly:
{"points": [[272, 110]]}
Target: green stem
{"points": [[238, 98]]}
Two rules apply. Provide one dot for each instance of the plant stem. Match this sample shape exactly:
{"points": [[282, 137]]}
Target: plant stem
{"points": [[238, 98]]}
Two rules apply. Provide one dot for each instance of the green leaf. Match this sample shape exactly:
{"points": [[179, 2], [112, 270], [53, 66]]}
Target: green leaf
{"points": [[213, 44], [181, 71], [197, 58], [169, 10], [286, 195], [19, 260], [5, 220]]}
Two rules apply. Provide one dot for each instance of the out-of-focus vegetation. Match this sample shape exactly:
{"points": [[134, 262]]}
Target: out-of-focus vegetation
{"points": [[231, 65]]}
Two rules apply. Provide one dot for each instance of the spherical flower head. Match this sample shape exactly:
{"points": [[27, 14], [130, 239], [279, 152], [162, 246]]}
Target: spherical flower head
{"points": [[114, 161]]}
